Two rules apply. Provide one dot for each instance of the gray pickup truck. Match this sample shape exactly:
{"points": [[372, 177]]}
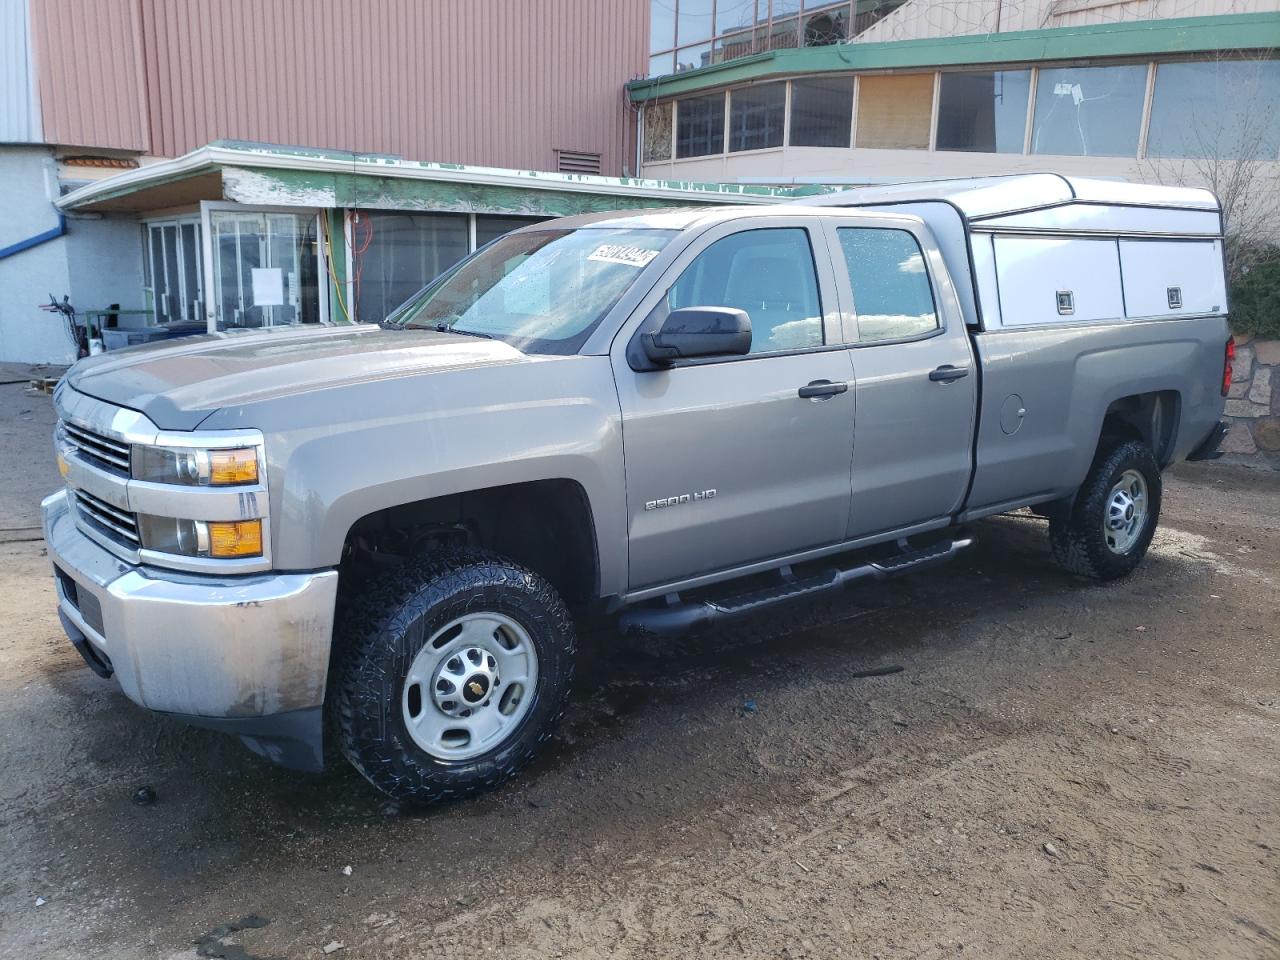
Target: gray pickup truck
{"points": [[676, 418]]}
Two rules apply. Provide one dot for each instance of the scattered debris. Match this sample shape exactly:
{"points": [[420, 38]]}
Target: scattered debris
{"points": [[144, 796], [1207, 866], [802, 866], [346, 871], [1050, 849], [41, 901], [1140, 628], [211, 945], [877, 671], [333, 946], [749, 706], [1062, 636]]}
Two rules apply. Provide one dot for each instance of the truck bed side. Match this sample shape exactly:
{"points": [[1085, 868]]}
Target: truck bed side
{"points": [[1066, 378]]}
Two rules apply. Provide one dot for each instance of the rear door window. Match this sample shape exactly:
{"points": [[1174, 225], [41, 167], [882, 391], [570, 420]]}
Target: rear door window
{"points": [[891, 293], [770, 274]]}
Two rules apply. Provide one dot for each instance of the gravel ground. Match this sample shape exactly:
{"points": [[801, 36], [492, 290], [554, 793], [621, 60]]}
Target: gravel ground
{"points": [[1060, 769]]}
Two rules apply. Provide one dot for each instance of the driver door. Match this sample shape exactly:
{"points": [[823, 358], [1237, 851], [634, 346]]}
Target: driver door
{"points": [[726, 462]]}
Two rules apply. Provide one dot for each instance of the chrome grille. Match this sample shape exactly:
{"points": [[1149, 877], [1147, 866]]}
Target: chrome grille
{"points": [[120, 525], [103, 451]]}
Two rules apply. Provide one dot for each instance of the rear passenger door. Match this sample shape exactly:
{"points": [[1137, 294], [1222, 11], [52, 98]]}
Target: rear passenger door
{"points": [[915, 378]]}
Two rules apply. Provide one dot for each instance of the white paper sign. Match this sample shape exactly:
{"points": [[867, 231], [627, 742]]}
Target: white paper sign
{"points": [[268, 287], [621, 253]]}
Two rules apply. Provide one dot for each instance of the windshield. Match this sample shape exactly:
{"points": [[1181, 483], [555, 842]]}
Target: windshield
{"points": [[542, 291]]}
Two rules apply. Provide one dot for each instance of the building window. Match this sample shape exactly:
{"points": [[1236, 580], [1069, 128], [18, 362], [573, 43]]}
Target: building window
{"points": [[892, 298], [662, 25], [983, 112], [821, 111], [691, 58], [402, 252], [687, 34], [826, 26], [895, 111], [700, 126], [1089, 111], [756, 116], [491, 227], [657, 132], [662, 64], [735, 15], [1216, 109], [174, 268], [694, 20], [769, 274]]}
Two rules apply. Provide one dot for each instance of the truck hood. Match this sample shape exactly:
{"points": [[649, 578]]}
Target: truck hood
{"points": [[178, 384]]}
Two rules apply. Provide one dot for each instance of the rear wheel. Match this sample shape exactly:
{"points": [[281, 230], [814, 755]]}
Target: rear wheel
{"points": [[1108, 529], [452, 673]]}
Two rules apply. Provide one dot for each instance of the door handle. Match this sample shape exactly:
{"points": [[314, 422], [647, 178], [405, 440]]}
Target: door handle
{"points": [[946, 373], [822, 389]]}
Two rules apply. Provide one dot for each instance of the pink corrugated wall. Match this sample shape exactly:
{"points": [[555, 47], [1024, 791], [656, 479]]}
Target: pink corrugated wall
{"points": [[89, 72], [493, 82]]}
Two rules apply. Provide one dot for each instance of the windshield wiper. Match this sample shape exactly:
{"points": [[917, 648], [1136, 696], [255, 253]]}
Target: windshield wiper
{"points": [[445, 328]]}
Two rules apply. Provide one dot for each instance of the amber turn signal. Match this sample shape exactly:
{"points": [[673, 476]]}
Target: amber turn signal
{"points": [[239, 538]]}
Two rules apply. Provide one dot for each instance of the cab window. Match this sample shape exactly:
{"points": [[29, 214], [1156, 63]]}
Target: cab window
{"points": [[891, 292], [768, 273]]}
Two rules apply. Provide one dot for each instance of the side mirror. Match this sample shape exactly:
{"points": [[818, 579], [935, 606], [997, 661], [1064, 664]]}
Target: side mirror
{"points": [[698, 332]]}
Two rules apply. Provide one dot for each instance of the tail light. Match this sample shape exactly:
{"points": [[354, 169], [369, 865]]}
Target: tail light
{"points": [[1228, 356]]}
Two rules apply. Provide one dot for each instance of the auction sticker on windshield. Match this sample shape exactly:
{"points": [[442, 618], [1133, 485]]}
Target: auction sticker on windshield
{"points": [[621, 253]]}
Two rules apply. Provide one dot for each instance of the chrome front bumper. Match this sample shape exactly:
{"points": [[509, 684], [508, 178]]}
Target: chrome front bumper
{"points": [[237, 649]]}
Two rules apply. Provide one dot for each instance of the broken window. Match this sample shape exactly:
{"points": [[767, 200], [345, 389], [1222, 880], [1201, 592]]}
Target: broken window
{"points": [[1089, 111]]}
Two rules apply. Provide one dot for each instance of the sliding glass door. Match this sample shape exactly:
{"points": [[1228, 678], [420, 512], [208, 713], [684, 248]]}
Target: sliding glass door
{"points": [[266, 268], [174, 265]]}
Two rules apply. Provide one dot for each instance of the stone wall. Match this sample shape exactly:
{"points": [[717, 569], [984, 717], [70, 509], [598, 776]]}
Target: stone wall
{"points": [[1253, 405]]}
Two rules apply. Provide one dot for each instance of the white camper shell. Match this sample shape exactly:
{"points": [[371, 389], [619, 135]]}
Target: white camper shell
{"points": [[1042, 248]]}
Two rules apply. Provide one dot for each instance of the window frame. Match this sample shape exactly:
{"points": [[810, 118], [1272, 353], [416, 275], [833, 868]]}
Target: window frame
{"points": [[645, 317], [844, 284]]}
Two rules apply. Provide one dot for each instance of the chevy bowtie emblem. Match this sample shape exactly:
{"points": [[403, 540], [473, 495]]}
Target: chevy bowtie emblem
{"points": [[475, 688]]}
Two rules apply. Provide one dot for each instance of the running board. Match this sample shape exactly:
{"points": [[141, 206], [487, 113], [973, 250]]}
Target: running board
{"points": [[677, 616]]}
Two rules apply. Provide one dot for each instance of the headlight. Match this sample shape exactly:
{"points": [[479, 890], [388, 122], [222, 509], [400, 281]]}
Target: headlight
{"points": [[201, 538], [196, 466]]}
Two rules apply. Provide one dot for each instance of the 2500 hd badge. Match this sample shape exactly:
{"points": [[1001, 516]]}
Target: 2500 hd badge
{"points": [[676, 501]]}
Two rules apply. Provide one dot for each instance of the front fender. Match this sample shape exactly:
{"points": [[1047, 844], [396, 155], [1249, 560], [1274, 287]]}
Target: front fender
{"points": [[337, 456]]}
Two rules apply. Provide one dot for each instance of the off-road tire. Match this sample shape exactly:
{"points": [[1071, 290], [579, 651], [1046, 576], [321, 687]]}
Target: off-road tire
{"points": [[382, 631], [1076, 535]]}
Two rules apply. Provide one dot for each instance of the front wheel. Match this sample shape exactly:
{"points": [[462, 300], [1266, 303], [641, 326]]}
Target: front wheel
{"points": [[451, 675], [1106, 532]]}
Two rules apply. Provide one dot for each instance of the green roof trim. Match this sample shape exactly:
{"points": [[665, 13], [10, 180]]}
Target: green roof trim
{"points": [[1246, 31], [301, 176]]}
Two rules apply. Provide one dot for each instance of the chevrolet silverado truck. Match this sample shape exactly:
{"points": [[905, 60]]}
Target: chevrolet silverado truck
{"points": [[383, 535]]}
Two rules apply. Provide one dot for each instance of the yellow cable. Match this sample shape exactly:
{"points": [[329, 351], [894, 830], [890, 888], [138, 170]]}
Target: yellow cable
{"points": [[328, 262]]}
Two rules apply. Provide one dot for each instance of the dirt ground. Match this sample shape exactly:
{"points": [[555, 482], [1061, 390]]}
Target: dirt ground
{"points": [[1060, 769]]}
